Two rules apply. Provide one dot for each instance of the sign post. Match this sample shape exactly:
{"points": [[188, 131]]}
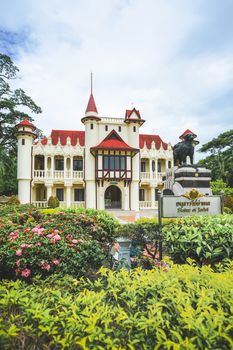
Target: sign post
{"points": [[160, 188]]}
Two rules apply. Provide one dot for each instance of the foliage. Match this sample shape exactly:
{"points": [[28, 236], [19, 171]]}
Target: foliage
{"points": [[228, 203], [219, 187], [11, 102], [53, 202], [145, 239], [35, 243], [185, 308], [205, 239], [220, 161], [13, 200]]}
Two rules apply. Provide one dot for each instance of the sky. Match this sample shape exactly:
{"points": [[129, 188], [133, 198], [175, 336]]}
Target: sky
{"points": [[171, 59]]}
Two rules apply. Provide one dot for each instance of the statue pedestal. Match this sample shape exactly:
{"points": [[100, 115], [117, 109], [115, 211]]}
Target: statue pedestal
{"points": [[181, 179]]}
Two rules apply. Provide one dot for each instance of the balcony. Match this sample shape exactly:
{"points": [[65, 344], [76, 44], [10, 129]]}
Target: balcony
{"points": [[147, 177], [58, 175], [145, 205]]}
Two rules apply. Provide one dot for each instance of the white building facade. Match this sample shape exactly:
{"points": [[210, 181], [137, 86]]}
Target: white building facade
{"points": [[110, 165]]}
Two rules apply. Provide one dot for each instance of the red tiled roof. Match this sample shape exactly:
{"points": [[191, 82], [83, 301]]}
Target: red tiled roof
{"points": [[26, 123], [186, 132], [91, 106], [128, 113], [63, 134], [113, 141], [148, 139]]}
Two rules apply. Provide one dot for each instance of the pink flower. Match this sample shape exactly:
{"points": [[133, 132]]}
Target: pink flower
{"points": [[26, 273], [69, 236], [55, 238], [45, 266], [56, 231], [13, 235], [50, 235], [56, 262], [17, 271], [18, 262], [35, 229], [75, 241], [18, 252], [27, 229], [38, 244], [24, 245]]}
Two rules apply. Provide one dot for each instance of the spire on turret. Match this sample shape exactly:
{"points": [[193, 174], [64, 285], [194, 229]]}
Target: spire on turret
{"points": [[91, 110]]}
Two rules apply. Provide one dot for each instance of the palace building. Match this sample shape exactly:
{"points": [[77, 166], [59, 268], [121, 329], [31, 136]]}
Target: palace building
{"points": [[109, 165]]}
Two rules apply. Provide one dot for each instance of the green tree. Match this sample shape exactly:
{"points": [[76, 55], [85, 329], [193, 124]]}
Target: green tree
{"points": [[220, 160], [11, 103]]}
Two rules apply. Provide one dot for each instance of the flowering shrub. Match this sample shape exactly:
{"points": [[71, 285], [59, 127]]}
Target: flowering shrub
{"points": [[69, 243], [185, 308]]}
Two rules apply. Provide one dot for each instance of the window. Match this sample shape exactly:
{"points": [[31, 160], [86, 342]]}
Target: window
{"points": [[156, 194], [92, 126], [119, 128], [23, 142], [153, 165], [122, 163], [105, 162], [114, 163], [79, 194], [77, 164], [59, 164], [60, 194], [111, 162], [169, 164], [159, 167], [106, 128], [117, 162], [143, 167], [134, 129], [141, 195]]}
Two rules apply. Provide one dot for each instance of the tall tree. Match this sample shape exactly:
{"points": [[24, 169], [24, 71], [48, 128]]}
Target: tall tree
{"points": [[11, 101], [220, 160]]}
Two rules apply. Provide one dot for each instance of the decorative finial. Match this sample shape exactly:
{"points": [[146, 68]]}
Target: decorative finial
{"points": [[91, 82]]}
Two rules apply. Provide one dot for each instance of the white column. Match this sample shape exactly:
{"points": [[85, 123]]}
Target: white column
{"points": [[125, 198], [68, 196], [134, 195], [49, 192], [45, 165], [71, 167], [90, 196], [166, 165], [52, 167], [152, 197], [150, 169], [65, 167], [156, 169]]}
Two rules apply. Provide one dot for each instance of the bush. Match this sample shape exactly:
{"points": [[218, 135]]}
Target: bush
{"points": [[185, 308], [35, 243], [206, 239], [53, 202], [13, 200], [228, 203], [219, 185]]}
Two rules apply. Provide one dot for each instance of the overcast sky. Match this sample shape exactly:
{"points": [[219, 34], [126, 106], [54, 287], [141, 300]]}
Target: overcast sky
{"points": [[171, 59]]}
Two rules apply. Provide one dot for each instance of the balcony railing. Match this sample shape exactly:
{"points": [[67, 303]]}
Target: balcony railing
{"points": [[40, 204], [145, 204], [147, 177], [77, 204], [58, 174]]}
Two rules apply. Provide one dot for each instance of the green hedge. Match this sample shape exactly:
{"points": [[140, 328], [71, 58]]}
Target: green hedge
{"points": [[205, 239], [185, 308]]}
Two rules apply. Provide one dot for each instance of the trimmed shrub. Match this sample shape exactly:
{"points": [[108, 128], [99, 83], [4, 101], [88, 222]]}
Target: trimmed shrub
{"points": [[185, 308], [53, 202], [228, 202], [205, 239], [35, 243]]}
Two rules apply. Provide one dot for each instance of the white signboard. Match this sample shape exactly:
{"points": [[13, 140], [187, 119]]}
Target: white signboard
{"points": [[178, 206]]}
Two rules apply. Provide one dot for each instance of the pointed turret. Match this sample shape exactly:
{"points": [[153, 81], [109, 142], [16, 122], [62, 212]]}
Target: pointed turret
{"points": [[91, 110], [91, 106]]}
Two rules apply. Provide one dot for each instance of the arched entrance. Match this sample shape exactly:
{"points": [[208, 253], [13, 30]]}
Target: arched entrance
{"points": [[112, 198]]}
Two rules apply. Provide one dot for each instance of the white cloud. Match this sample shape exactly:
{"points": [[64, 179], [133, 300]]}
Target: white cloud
{"points": [[136, 50]]}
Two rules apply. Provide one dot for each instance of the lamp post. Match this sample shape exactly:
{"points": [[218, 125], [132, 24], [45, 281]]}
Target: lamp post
{"points": [[160, 188], [222, 193]]}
